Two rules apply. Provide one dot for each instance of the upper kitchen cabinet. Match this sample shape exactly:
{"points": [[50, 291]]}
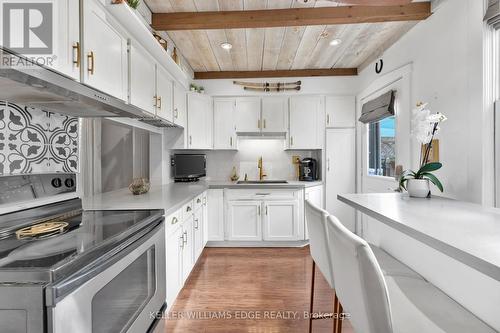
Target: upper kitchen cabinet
{"points": [[164, 94], [200, 121], [105, 51], [248, 114], [67, 52], [142, 79], [340, 111], [274, 114], [224, 126], [180, 108], [306, 122]]}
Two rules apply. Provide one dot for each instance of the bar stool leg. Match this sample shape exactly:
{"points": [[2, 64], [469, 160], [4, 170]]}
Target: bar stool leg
{"points": [[311, 301], [335, 310], [340, 320]]}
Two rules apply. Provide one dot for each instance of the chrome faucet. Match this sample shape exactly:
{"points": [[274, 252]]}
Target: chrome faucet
{"points": [[261, 170]]}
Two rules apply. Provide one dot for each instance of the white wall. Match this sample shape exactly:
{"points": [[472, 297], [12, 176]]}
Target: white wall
{"points": [[447, 56]]}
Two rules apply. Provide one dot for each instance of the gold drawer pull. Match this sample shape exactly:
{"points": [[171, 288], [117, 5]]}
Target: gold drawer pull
{"points": [[76, 49], [174, 221], [91, 63]]}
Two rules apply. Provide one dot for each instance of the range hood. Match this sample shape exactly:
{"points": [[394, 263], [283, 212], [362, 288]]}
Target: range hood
{"points": [[24, 82]]}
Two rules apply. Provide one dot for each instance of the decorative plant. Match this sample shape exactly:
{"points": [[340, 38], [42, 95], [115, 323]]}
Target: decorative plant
{"points": [[425, 127], [134, 3], [193, 87]]}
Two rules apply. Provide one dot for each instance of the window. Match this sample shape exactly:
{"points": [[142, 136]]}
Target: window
{"points": [[382, 147]]}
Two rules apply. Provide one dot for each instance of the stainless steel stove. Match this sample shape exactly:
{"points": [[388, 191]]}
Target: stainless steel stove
{"points": [[63, 269]]}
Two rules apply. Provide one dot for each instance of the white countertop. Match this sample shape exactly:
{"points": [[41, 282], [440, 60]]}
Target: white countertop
{"points": [[290, 184], [467, 232]]}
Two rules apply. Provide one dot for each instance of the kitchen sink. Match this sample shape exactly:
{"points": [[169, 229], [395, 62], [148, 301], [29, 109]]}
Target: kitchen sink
{"points": [[262, 182]]}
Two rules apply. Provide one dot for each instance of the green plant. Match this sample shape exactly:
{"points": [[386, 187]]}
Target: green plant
{"points": [[134, 3], [425, 172]]}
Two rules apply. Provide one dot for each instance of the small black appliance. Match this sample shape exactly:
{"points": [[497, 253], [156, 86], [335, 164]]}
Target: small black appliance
{"points": [[308, 169], [189, 167]]}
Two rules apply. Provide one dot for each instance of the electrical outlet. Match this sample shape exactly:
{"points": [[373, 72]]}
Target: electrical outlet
{"points": [[295, 159]]}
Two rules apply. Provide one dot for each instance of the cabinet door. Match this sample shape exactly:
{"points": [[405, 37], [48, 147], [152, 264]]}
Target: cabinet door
{"points": [[224, 128], [281, 221], [248, 114], [340, 111], [304, 121], [164, 91], [188, 249], [199, 122], [67, 50], [198, 233], [215, 230], [340, 172], [180, 114], [105, 53], [205, 218], [244, 220], [274, 112], [174, 250], [142, 79]]}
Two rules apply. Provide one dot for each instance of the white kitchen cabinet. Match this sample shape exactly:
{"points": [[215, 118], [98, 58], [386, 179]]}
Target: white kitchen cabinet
{"points": [[198, 233], [205, 217], [174, 250], [180, 107], [164, 94], [142, 78], [215, 211], [105, 51], [244, 221], [274, 114], [188, 247], [67, 48], [200, 121], [281, 221], [224, 124], [340, 172], [340, 111], [248, 114], [305, 118]]}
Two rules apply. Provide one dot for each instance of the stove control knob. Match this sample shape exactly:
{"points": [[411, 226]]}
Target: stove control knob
{"points": [[69, 182], [56, 182]]}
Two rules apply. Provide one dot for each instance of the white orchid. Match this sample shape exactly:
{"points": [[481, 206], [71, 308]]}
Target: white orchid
{"points": [[425, 124]]}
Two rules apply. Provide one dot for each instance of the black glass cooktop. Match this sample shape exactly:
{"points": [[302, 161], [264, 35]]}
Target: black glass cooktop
{"points": [[88, 234]]}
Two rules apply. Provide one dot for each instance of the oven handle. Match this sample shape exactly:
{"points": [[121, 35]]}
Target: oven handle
{"points": [[56, 292]]}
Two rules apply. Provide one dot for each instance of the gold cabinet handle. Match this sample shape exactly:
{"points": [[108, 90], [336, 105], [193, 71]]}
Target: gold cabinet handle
{"points": [[258, 124], [185, 237], [91, 63], [159, 102], [264, 123], [77, 57], [196, 225], [174, 221], [291, 141], [258, 211], [266, 210], [198, 200], [231, 141], [188, 209], [181, 245], [328, 119], [155, 99], [190, 140]]}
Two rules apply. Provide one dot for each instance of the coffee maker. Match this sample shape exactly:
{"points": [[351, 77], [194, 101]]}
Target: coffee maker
{"points": [[308, 169]]}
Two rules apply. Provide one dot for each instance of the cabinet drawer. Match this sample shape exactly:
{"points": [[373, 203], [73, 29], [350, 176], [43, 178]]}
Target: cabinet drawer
{"points": [[173, 220], [187, 210], [262, 194]]}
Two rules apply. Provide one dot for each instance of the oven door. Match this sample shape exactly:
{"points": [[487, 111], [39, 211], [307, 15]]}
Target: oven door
{"points": [[122, 294]]}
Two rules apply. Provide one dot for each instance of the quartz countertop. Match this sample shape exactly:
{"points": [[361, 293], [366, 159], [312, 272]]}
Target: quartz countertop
{"points": [[290, 184], [467, 232]]}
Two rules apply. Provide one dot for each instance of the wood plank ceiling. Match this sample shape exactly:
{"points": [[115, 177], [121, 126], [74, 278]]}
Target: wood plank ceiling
{"points": [[282, 48]]}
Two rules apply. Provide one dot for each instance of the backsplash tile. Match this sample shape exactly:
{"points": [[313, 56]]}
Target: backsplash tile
{"points": [[34, 141]]}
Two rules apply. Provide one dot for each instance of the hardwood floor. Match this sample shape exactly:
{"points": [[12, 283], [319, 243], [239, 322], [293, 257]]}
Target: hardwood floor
{"points": [[257, 290]]}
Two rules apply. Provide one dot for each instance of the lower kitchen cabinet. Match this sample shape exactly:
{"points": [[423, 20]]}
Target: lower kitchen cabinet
{"points": [[198, 238], [215, 212], [175, 243], [205, 218], [244, 220], [281, 221], [188, 247]]}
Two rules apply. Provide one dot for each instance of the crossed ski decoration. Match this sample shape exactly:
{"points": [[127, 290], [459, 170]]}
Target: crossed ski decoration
{"points": [[270, 87]]}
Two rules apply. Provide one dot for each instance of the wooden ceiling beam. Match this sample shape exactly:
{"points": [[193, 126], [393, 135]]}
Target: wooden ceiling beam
{"points": [[290, 17], [276, 73]]}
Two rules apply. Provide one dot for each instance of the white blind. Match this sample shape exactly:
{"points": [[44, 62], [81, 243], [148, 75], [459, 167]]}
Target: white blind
{"points": [[378, 108]]}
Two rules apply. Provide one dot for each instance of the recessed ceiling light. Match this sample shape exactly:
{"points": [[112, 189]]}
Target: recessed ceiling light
{"points": [[226, 46], [335, 41]]}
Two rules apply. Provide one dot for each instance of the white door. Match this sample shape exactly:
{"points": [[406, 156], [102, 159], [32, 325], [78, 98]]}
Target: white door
{"points": [[248, 114], [174, 250], [281, 221], [340, 172], [67, 45], [164, 91], [244, 220], [198, 233], [340, 111], [180, 114], [199, 122], [105, 53], [142, 79], [188, 249], [215, 209], [304, 122], [274, 113], [224, 126]]}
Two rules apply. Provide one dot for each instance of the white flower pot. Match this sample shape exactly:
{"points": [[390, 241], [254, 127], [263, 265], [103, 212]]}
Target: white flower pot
{"points": [[419, 188]]}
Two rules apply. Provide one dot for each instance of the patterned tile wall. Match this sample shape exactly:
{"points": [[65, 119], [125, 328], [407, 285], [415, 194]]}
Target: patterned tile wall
{"points": [[35, 141]]}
